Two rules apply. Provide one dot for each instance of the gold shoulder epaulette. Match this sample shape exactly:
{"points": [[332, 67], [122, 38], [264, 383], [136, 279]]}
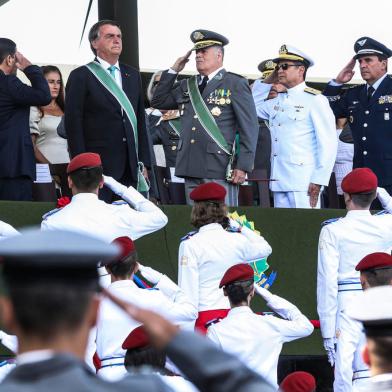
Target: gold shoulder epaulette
{"points": [[311, 90]]}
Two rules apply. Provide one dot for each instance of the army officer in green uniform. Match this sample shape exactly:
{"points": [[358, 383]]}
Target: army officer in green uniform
{"points": [[219, 126]]}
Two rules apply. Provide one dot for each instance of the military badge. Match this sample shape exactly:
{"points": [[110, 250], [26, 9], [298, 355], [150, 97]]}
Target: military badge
{"points": [[351, 119], [386, 116], [197, 36], [184, 260], [362, 42], [283, 49], [228, 101], [215, 111], [222, 101]]}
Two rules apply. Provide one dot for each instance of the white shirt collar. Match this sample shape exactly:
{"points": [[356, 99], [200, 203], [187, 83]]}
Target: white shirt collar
{"points": [[213, 74], [123, 283], [241, 309], [353, 213], [298, 87], [381, 377], [106, 65], [84, 196], [34, 356], [375, 85], [211, 226]]}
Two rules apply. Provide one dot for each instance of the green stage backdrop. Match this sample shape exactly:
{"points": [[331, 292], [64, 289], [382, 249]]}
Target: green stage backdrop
{"points": [[292, 233]]}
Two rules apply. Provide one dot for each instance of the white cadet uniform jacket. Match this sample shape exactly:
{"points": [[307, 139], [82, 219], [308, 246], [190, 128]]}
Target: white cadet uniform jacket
{"points": [[205, 256], [257, 340], [7, 230], [88, 215], [342, 245], [114, 325], [303, 136]]}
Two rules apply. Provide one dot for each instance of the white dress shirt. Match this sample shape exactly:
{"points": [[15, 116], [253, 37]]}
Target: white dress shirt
{"points": [[117, 72]]}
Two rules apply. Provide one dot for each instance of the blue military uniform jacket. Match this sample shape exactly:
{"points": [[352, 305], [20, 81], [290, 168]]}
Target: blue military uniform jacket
{"points": [[229, 99], [370, 123]]}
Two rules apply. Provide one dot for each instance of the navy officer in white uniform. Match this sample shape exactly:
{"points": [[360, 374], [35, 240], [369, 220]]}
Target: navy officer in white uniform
{"points": [[303, 134], [256, 339], [342, 244]]}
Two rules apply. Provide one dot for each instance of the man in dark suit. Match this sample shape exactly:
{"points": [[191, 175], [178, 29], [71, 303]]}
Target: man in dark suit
{"points": [[17, 162], [368, 108], [96, 122], [58, 271], [227, 101]]}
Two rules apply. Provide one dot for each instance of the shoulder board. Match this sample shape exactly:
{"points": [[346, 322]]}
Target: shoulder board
{"points": [[383, 212], [189, 235], [328, 221], [51, 212], [238, 75], [119, 202], [234, 229], [312, 91]]}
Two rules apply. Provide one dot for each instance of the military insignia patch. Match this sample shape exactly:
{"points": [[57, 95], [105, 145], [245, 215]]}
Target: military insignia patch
{"points": [[283, 49], [215, 111], [197, 36], [362, 42]]}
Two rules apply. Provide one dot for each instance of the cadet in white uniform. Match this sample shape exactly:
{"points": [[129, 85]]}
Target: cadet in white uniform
{"points": [[342, 244], [205, 255], [255, 339], [303, 134], [87, 214], [114, 325]]}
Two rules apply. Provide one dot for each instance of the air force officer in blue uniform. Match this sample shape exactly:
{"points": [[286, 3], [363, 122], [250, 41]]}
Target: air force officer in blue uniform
{"points": [[368, 108]]}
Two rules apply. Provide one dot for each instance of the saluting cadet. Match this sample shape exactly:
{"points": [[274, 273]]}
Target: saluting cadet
{"points": [[205, 254], [303, 135], [215, 106], [368, 108], [134, 216], [114, 325], [256, 339], [342, 244], [373, 308]]}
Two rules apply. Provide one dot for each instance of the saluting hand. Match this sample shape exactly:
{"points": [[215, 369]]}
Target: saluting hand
{"points": [[21, 61], [313, 192], [179, 65], [347, 73]]}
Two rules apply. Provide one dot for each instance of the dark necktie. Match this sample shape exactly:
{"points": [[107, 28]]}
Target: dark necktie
{"points": [[370, 92], [203, 84]]}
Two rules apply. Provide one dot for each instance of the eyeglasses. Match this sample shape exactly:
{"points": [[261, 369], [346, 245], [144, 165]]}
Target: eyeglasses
{"points": [[285, 66]]}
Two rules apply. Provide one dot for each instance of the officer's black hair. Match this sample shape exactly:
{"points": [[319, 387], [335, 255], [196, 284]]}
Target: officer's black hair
{"points": [[363, 200], [87, 180], [7, 47], [383, 351], [378, 277], [238, 292], [123, 268], [46, 309], [145, 356], [94, 31]]}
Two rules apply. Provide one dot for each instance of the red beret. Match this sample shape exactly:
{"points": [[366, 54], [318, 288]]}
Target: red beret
{"points": [[361, 180], [236, 273], [298, 382], [127, 246], [136, 339], [208, 191], [84, 160], [374, 261]]}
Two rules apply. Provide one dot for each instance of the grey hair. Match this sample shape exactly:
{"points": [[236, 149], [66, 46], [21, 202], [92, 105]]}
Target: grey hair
{"points": [[151, 84], [94, 31]]}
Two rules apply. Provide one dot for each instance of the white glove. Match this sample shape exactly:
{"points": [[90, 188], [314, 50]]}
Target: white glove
{"points": [[150, 274], [385, 199], [329, 346], [234, 224], [114, 185], [264, 293]]}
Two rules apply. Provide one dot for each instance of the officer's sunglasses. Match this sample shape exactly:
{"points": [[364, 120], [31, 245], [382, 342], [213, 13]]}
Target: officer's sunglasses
{"points": [[285, 66]]}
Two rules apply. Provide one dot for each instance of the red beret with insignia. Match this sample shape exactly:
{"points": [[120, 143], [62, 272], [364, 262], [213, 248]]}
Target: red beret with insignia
{"points": [[237, 273], [375, 261], [298, 382], [136, 339], [208, 191], [85, 160], [361, 180], [127, 246]]}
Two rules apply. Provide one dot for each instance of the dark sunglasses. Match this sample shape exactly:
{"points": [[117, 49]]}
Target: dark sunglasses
{"points": [[285, 66]]}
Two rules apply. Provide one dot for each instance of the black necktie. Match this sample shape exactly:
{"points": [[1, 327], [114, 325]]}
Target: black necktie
{"points": [[370, 92], [203, 84]]}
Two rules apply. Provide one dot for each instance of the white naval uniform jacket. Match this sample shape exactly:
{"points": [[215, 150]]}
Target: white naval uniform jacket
{"points": [[257, 340], [114, 325], [303, 136], [342, 245], [88, 215], [205, 256], [7, 230]]}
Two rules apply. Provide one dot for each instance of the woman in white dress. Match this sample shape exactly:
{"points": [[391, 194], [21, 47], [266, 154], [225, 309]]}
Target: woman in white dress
{"points": [[48, 146]]}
